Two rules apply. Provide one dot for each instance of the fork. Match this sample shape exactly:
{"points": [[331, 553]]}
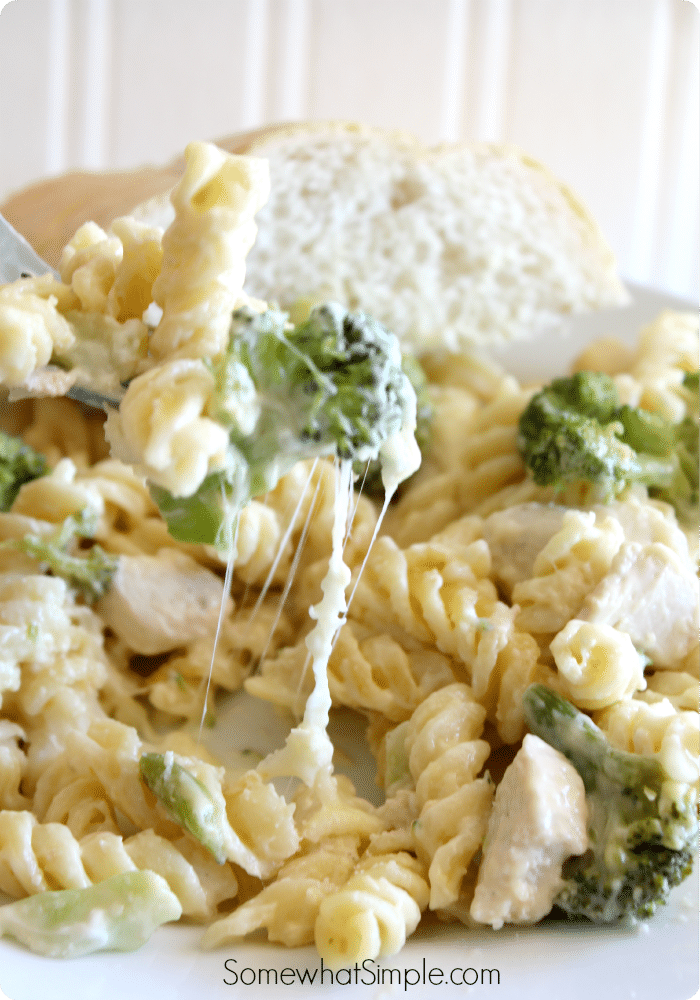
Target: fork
{"points": [[19, 260]]}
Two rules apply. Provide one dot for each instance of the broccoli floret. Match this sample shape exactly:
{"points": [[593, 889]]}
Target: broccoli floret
{"points": [[332, 385], [18, 464], [575, 436], [370, 476], [642, 827], [89, 574]]}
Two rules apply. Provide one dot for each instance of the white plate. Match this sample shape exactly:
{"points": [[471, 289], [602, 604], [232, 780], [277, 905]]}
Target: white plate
{"points": [[657, 961]]}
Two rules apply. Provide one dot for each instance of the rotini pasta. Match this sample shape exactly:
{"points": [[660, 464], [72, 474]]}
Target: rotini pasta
{"points": [[197, 289], [12, 765], [667, 349], [445, 755], [571, 563], [431, 623], [367, 671], [599, 665], [32, 326], [375, 911], [656, 728], [254, 822], [486, 462], [178, 686], [38, 856], [288, 907]]}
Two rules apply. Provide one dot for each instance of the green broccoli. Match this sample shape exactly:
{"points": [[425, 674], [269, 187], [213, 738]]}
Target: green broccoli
{"points": [[119, 914], [691, 389], [575, 436], [370, 476], [18, 464], [332, 385], [90, 574], [642, 827], [186, 799]]}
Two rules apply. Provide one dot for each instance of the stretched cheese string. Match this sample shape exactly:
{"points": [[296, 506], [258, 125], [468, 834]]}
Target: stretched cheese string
{"points": [[231, 532], [385, 506], [400, 457], [308, 751], [282, 546], [292, 572]]}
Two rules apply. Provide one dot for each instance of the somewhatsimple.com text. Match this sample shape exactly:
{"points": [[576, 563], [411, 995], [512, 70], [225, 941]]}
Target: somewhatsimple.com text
{"points": [[369, 973]]}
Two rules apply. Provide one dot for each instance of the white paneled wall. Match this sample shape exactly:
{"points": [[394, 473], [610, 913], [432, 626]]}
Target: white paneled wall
{"points": [[603, 91]]}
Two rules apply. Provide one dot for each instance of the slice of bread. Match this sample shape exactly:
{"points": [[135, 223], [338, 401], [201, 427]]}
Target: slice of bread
{"points": [[447, 245]]}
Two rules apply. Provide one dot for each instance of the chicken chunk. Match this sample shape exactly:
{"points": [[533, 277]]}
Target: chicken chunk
{"points": [[158, 603], [539, 819], [651, 594], [516, 535], [645, 521]]}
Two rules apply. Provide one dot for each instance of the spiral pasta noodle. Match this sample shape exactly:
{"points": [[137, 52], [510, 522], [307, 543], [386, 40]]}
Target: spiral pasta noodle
{"points": [[375, 911], [572, 562], [12, 765], [445, 755], [32, 325], [657, 729], [288, 907], [484, 463], [368, 671], [255, 822], [214, 203], [53, 659], [37, 856], [667, 349], [178, 686], [598, 664]]}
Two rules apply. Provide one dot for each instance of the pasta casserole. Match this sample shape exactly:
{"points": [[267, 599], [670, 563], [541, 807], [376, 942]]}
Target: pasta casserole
{"points": [[215, 535]]}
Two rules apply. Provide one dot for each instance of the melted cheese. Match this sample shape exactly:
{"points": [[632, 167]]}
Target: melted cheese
{"points": [[308, 751]]}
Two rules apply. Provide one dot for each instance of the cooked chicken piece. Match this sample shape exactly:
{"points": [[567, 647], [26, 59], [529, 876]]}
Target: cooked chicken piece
{"points": [[539, 819], [651, 594], [516, 536], [158, 603]]}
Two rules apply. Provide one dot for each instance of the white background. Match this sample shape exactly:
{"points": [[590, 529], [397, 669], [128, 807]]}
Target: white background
{"points": [[605, 92]]}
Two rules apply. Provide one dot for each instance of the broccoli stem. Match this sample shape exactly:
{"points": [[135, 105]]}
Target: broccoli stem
{"points": [[119, 914], [573, 733], [186, 799]]}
